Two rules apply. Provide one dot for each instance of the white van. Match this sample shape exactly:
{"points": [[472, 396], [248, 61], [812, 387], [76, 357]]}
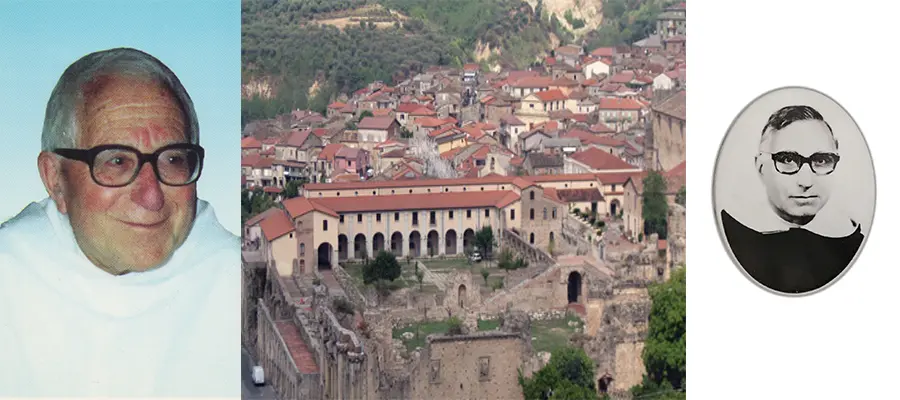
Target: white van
{"points": [[259, 377]]}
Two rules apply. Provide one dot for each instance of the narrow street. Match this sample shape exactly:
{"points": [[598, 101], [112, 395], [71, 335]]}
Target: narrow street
{"points": [[248, 389]]}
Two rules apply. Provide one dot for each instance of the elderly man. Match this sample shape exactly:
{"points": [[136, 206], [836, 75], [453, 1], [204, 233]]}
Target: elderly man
{"points": [[121, 283], [801, 247]]}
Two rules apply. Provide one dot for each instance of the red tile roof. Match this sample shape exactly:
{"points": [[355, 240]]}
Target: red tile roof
{"points": [[263, 215], [298, 206], [597, 159], [533, 82], [550, 95], [297, 138], [276, 225], [337, 104], [329, 151], [446, 200], [609, 103], [250, 142], [376, 123]]}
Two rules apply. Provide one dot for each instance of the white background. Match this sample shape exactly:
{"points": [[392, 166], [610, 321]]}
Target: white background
{"points": [[745, 342], [739, 189]]}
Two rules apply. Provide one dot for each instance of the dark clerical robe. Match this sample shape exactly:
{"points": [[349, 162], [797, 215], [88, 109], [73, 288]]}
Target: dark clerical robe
{"points": [[790, 261]]}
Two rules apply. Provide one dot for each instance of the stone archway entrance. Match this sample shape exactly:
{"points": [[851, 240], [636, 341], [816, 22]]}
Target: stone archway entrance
{"points": [[342, 247], [603, 384], [469, 239], [450, 242], [324, 256], [415, 240], [397, 244], [614, 208], [377, 244], [574, 287]]}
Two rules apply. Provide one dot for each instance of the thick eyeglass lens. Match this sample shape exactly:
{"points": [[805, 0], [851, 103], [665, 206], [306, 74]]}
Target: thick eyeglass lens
{"points": [[178, 166], [117, 167], [790, 163]]}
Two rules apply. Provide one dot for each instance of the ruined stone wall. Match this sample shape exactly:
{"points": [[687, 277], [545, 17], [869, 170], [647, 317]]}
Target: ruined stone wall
{"points": [[253, 281], [281, 372], [677, 240], [618, 342], [343, 358], [350, 290], [575, 234], [478, 366], [520, 247]]}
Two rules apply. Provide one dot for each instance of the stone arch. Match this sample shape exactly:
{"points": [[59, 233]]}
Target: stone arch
{"points": [[433, 242], [551, 237], [469, 239], [450, 242], [302, 266], [574, 287], [461, 296], [342, 247], [324, 255], [415, 243], [614, 207], [531, 238], [359, 246], [397, 244], [377, 243]]}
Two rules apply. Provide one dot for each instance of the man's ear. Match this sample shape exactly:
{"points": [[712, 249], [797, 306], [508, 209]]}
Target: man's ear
{"points": [[50, 167]]}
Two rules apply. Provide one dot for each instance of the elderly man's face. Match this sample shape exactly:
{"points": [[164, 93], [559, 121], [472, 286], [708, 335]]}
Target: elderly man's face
{"points": [[803, 194], [138, 226]]}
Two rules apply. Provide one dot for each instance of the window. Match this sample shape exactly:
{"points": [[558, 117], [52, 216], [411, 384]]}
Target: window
{"points": [[545, 212], [342, 218], [554, 212], [431, 218], [531, 195], [291, 235], [512, 215], [446, 189], [392, 191], [531, 214], [396, 216], [324, 225], [613, 187], [482, 188], [451, 214], [373, 193], [487, 213], [358, 218], [468, 213], [302, 249], [531, 238], [415, 218], [551, 236], [356, 193], [338, 194], [410, 191], [429, 190], [378, 217]]}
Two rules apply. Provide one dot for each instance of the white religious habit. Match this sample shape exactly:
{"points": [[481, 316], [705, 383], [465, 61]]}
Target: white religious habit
{"points": [[67, 328]]}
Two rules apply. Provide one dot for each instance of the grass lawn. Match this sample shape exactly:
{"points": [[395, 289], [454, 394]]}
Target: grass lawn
{"points": [[407, 277], [449, 264], [424, 329], [549, 335]]}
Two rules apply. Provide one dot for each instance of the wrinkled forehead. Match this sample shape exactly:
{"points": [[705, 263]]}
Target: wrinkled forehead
{"points": [[804, 137]]}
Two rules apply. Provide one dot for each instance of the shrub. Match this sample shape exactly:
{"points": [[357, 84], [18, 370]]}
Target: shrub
{"points": [[602, 223], [497, 285], [342, 305], [485, 274], [454, 326], [384, 267], [640, 237]]}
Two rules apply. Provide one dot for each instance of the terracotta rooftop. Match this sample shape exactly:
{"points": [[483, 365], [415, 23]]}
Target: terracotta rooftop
{"points": [[674, 106], [437, 200], [580, 195], [297, 138], [298, 206], [597, 159], [263, 215], [329, 151], [276, 225], [378, 123], [619, 104], [550, 95], [303, 357], [250, 142], [487, 180]]}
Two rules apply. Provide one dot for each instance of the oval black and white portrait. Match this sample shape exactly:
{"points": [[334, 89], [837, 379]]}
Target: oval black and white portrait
{"points": [[794, 190]]}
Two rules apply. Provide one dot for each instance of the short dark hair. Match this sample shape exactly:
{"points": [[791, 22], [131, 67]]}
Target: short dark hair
{"points": [[788, 115]]}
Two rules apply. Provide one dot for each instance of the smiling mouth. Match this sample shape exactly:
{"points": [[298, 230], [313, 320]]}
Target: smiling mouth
{"points": [[143, 225]]}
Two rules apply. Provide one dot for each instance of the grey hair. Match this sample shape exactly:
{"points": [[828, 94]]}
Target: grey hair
{"points": [[61, 127]]}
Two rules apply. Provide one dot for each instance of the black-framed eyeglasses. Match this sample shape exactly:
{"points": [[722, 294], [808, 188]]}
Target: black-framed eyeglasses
{"points": [[790, 162], [114, 165]]}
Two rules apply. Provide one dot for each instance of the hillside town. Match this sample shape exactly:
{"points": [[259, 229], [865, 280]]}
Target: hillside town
{"points": [[513, 203]]}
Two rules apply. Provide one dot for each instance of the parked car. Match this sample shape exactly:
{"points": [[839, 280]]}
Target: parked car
{"points": [[259, 376], [475, 257]]}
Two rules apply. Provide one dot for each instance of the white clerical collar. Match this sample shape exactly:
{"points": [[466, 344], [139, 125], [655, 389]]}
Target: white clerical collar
{"points": [[829, 222]]}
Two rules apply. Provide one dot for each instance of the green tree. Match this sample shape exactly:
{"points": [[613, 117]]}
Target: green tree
{"points": [[485, 274], [506, 261], [420, 276], [384, 267], [568, 375], [681, 196], [665, 348], [365, 113], [654, 206], [484, 241], [292, 188]]}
